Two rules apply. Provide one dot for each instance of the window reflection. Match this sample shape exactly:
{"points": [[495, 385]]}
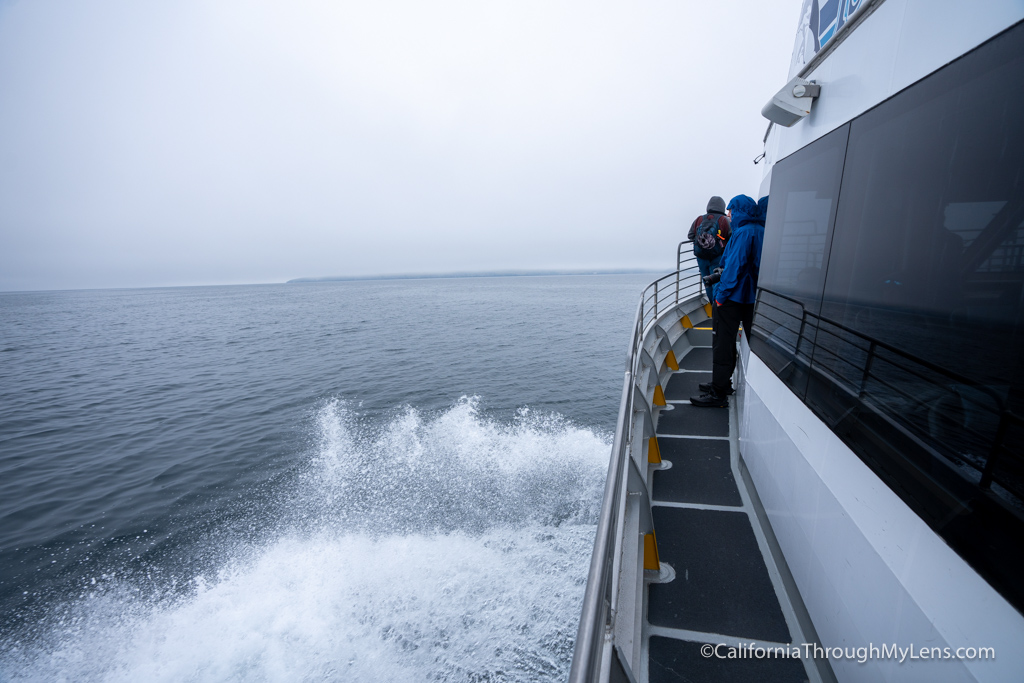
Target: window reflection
{"points": [[892, 297], [805, 193]]}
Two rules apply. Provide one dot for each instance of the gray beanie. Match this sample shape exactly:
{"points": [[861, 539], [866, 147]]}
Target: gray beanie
{"points": [[716, 205]]}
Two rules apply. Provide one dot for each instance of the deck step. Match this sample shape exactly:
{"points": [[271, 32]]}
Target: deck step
{"points": [[701, 473], [722, 584], [683, 385], [681, 661], [687, 420], [696, 359]]}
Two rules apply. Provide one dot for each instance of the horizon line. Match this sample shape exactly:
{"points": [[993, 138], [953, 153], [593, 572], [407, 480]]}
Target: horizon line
{"points": [[471, 274], [352, 278]]}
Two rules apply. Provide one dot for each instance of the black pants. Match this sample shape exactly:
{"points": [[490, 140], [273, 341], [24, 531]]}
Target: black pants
{"points": [[725, 323]]}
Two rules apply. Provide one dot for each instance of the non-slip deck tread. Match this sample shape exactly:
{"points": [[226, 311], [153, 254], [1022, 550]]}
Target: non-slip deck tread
{"points": [[697, 359], [722, 584], [687, 420], [682, 385], [700, 473], [681, 661], [700, 335]]}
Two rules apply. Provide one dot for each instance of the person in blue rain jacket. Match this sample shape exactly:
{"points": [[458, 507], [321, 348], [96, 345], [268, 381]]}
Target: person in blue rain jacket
{"points": [[735, 294]]}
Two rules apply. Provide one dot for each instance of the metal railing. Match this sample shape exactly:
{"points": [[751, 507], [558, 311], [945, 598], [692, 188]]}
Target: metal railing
{"points": [[684, 255], [866, 362], [594, 639]]}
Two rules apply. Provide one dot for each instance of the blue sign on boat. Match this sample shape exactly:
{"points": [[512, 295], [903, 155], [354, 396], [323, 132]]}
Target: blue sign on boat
{"points": [[820, 21]]}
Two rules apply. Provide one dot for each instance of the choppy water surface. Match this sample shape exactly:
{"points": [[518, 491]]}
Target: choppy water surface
{"points": [[337, 481]]}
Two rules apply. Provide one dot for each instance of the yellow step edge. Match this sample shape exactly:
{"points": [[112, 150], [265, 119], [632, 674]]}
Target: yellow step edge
{"points": [[651, 560], [653, 452], [659, 396], [686, 322], [670, 360], [707, 309]]}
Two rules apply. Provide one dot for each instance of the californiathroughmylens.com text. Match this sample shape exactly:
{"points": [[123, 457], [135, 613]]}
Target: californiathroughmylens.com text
{"points": [[862, 654]]}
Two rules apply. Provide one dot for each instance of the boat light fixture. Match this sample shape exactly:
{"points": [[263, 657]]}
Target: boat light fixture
{"points": [[792, 103]]}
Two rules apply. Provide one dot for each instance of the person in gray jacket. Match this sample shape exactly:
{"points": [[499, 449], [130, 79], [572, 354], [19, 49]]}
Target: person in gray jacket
{"points": [[710, 232]]}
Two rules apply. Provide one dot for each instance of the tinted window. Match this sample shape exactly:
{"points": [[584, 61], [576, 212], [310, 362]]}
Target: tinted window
{"points": [[914, 351], [802, 210]]}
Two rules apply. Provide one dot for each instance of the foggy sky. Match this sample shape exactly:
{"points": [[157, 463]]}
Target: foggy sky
{"points": [[174, 143]]}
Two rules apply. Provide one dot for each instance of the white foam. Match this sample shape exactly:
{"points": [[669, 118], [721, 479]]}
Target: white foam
{"points": [[455, 472], [444, 549]]}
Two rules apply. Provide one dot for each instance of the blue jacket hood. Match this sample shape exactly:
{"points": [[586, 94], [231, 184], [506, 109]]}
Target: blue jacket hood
{"points": [[741, 262], [746, 210]]}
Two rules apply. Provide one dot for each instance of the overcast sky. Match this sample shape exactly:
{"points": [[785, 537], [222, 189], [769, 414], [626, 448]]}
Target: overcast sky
{"points": [[186, 142]]}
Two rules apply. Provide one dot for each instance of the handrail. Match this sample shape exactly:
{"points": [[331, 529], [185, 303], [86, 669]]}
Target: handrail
{"points": [[888, 347], [587, 656], [594, 637], [1006, 416], [679, 253]]}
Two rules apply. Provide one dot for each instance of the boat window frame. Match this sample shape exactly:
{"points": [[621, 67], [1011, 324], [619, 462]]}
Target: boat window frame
{"points": [[979, 520]]}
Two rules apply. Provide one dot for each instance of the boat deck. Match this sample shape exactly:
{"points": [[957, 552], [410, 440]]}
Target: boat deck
{"points": [[729, 587]]}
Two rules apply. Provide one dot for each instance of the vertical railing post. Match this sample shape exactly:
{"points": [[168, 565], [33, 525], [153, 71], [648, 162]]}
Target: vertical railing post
{"points": [[800, 334], [986, 475], [655, 299], [867, 371]]}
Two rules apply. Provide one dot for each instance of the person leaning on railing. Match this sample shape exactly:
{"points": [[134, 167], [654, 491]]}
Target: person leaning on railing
{"points": [[734, 296]]}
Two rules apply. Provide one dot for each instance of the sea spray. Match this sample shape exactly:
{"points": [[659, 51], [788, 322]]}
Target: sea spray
{"points": [[457, 471], [445, 547]]}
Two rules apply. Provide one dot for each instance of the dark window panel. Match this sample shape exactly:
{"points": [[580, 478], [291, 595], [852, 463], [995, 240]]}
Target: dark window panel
{"points": [[894, 305], [805, 194]]}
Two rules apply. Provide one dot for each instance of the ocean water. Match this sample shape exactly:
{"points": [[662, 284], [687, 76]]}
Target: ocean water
{"points": [[359, 481]]}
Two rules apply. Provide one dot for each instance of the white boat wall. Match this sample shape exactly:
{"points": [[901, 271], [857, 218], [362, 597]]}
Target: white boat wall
{"points": [[875, 439]]}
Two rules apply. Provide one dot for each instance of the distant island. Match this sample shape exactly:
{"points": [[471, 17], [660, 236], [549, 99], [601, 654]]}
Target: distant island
{"points": [[489, 273]]}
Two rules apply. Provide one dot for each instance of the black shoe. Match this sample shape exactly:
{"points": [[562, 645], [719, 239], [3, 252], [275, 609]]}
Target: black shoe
{"points": [[710, 400], [706, 389]]}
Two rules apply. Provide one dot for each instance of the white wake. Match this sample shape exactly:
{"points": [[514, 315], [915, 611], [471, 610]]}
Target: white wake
{"points": [[450, 548]]}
